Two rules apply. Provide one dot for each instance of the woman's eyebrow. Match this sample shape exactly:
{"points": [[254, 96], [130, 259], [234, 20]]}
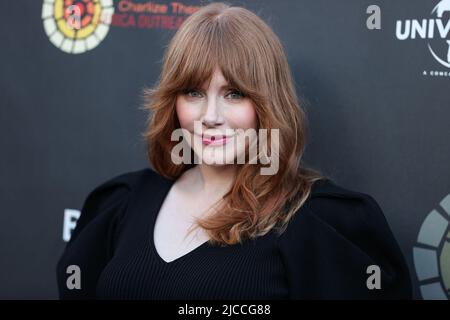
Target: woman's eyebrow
{"points": [[225, 86]]}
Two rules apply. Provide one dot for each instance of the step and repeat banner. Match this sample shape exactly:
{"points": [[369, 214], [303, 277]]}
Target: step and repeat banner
{"points": [[373, 76]]}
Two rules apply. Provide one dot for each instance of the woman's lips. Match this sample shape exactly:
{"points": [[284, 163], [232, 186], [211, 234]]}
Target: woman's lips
{"points": [[215, 140]]}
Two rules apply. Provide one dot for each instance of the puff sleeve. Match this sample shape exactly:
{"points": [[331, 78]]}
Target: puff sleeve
{"points": [[94, 238], [330, 243]]}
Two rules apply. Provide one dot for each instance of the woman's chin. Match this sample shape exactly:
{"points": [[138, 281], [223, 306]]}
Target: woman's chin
{"points": [[217, 159]]}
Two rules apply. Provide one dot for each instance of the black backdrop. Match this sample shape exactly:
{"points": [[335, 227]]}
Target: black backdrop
{"points": [[378, 109]]}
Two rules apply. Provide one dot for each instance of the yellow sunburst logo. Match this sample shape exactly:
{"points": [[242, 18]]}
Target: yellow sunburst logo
{"points": [[77, 26]]}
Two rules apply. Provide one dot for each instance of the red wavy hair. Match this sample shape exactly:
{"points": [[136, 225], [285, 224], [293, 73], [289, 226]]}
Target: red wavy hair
{"points": [[252, 59]]}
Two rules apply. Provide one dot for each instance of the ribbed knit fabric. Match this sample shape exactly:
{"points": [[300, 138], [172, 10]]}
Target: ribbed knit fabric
{"points": [[323, 254]]}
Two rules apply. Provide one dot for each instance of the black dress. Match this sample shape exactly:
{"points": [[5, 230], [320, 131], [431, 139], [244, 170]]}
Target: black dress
{"points": [[323, 254]]}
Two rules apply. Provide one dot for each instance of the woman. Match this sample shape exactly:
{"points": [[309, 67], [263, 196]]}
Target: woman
{"points": [[287, 234]]}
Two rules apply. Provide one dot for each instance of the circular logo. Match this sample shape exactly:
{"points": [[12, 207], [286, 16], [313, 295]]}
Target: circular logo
{"points": [[440, 10], [432, 254], [77, 26]]}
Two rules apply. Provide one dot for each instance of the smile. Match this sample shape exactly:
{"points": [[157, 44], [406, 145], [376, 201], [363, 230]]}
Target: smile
{"points": [[215, 140]]}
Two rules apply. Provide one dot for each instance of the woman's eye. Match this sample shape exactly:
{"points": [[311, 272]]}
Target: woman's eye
{"points": [[232, 94], [235, 94], [193, 93]]}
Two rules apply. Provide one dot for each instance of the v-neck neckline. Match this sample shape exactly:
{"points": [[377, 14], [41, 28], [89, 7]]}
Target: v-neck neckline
{"points": [[159, 198]]}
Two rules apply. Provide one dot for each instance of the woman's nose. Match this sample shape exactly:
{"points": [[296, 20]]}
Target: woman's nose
{"points": [[212, 115]]}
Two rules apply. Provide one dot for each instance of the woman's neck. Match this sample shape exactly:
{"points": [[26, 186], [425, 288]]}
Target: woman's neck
{"points": [[210, 180]]}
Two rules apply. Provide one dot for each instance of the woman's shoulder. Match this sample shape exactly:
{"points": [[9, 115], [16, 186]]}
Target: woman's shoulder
{"points": [[108, 200], [328, 189], [124, 183], [340, 207], [336, 211], [338, 234], [127, 180], [98, 228]]}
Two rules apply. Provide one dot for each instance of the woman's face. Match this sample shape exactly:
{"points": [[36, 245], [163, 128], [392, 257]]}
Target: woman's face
{"points": [[217, 110]]}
